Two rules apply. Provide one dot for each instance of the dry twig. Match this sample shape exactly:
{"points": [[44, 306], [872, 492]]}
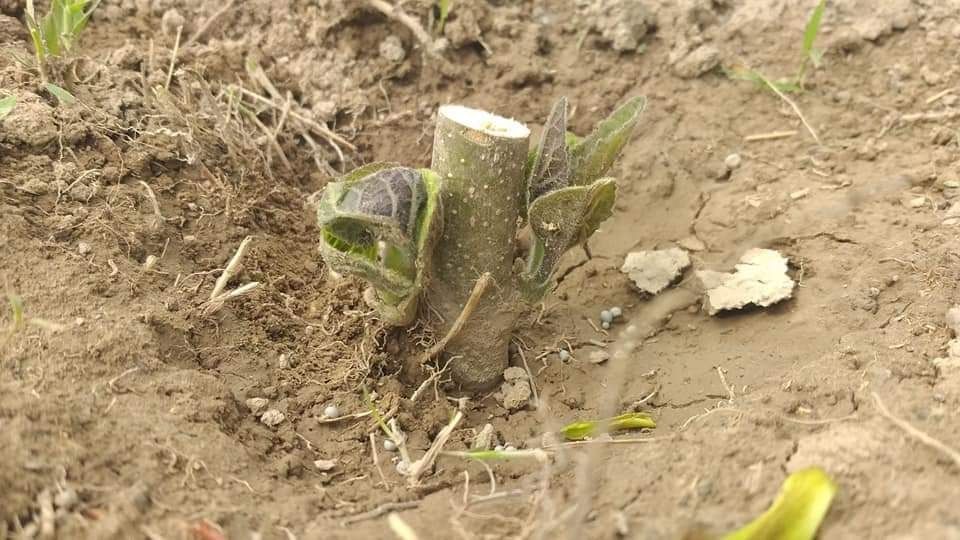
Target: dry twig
{"points": [[478, 289], [916, 433]]}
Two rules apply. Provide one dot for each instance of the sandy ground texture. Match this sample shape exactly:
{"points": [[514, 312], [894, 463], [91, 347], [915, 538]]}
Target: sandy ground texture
{"points": [[134, 406]]}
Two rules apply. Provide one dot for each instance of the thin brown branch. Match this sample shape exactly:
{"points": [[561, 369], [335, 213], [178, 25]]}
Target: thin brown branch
{"points": [[916, 433], [478, 289]]}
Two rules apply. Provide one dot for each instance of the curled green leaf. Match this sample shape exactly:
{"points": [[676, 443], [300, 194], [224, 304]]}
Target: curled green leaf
{"points": [[64, 97], [592, 157], [378, 223], [6, 106], [560, 220], [578, 431], [797, 512]]}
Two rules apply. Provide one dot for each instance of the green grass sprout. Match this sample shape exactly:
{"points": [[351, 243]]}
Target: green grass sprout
{"points": [[6, 106], [56, 33], [578, 431], [811, 55], [796, 513], [810, 33], [397, 438], [64, 97], [16, 312], [443, 11]]}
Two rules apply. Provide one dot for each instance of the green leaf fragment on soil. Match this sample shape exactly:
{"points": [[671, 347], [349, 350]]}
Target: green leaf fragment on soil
{"points": [[64, 97], [796, 513], [6, 106], [578, 431], [443, 7]]}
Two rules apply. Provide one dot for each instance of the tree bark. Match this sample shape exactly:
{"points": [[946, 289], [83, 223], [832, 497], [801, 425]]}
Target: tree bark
{"points": [[480, 159]]}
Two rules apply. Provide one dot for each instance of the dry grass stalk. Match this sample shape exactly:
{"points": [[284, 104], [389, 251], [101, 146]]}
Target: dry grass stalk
{"points": [[916, 433], [217, 296], [421, 466], [475, 295]]}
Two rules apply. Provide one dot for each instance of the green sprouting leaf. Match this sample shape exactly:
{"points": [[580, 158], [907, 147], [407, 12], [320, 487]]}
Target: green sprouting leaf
{"points": [[797, 512], [16, 311], [550, 169], [560, 220], [443, 9], [594, 155], [55, 33], [816, 57], [812, 29], [578, 431], [379, 223], [6, 106], [751, 75], [64, 97], [599, 208]]}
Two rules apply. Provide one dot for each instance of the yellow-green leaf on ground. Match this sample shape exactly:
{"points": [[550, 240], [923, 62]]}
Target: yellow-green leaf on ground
{"points": [[6, 105], [64, 97], [796, 513], [578, 431]]}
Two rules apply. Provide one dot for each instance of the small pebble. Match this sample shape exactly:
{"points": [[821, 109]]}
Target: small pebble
{"points": [[606, 316], [605, 325], [733, 161], [498, 448], [509, 448], [391, 49], [917, 202], [389, 445], [800, 193], [83, 248], [272, 417], [616, 311], [324, 465], [66, 499], [331, 412], [563, 354], [257, 405], [599, 357]]}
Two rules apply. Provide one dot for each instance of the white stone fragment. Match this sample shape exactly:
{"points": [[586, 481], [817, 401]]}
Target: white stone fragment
{"points": [[760, 279], [515, 391], [272, 417], [257, 405], [653, 271]]}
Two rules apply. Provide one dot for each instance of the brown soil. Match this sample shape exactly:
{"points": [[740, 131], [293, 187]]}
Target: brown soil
{"points": [[137, 403]]}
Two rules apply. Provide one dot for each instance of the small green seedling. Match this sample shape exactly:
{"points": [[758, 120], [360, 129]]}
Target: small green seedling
{"points": [[64, 97], [56, 33], [797, 512], [16, 312], [578, 431], [18, 320], [6, 106], [432, 233], [810, 55], [443, 11]]}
